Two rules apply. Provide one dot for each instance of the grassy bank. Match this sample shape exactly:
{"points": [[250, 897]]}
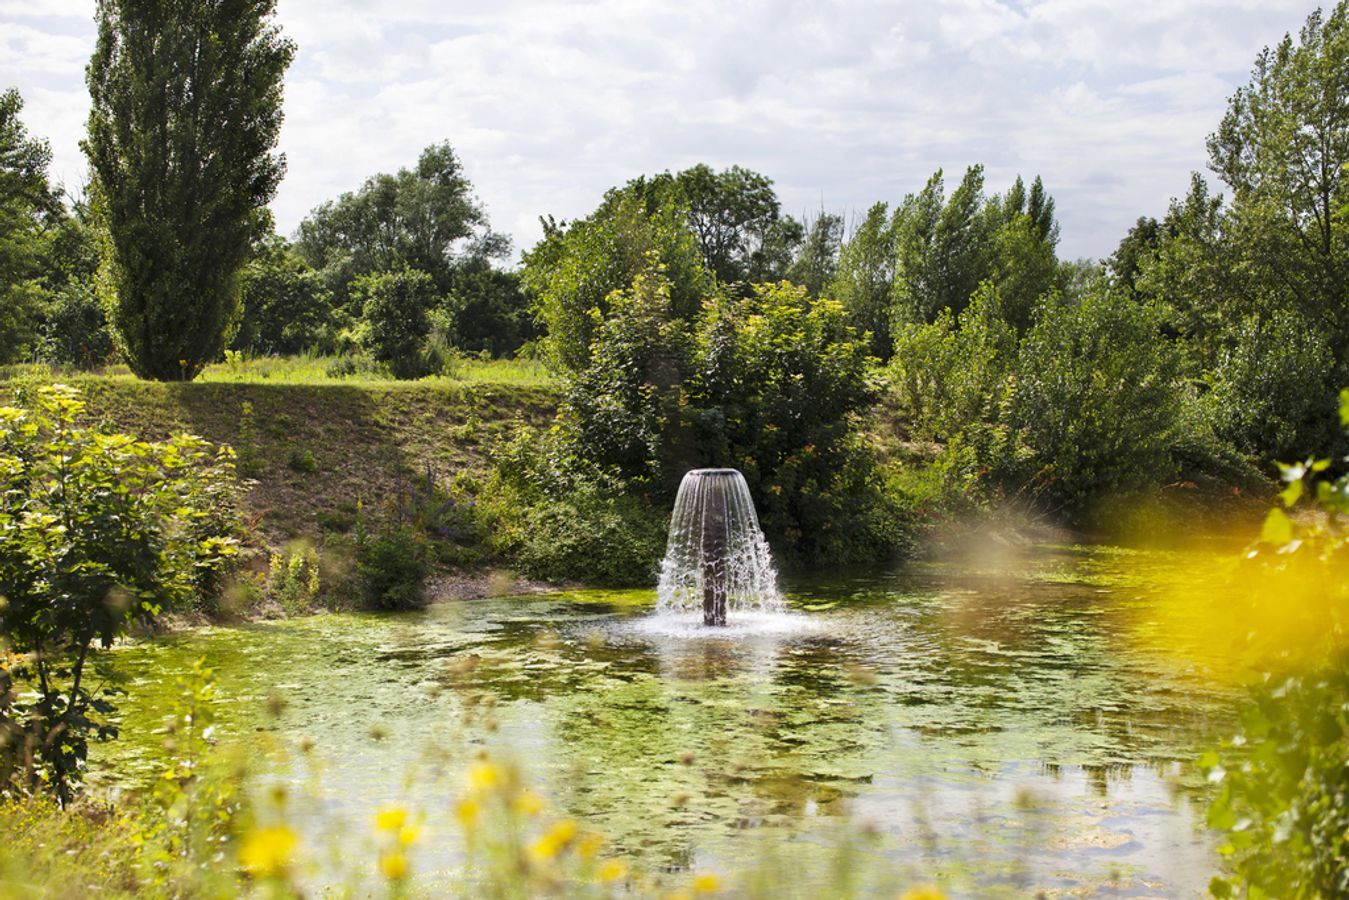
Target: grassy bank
{"points": [[315, 449]]}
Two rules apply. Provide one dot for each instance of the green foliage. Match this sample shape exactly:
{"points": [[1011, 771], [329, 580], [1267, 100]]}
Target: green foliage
{"points": [[1283, 803], [425, 218], [1096, 399], [491, 311], [97, 530], [286, 306], [392, 568], [950, 374], [186, 107], [817, 259], [572, 272], [734, 216], [1282, 147], [395, 309], [1271, 392], [293, 578], [27, 206], [599, 539], [865, 278]]}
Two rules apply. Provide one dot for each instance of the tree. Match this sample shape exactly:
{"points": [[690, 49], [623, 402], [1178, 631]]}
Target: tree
{"points": [[186, 108], [28, 207], [571, 273], [285, 303], [817, 260], [1282, 147], [864, 281], [491, 311], [425, 218], [97, 530], [396, 313], [735, 218]]}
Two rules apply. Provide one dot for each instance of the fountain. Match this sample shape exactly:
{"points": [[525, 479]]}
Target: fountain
{"points": [[717, 558]]}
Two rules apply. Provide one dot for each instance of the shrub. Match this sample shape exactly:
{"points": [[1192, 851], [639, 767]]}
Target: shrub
{"points": [[1271, 390], [1096, 401], [392, 568], [396, 315], [97, 530], [1283, 803], [607, 541], [293, 578]]}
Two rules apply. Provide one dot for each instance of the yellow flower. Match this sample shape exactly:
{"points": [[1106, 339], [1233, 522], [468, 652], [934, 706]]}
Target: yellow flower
{"points": [[391, 818], [408, 835], [268, 851], [545, 847], [923, 892], [467, 812], [706, 883], [564, 831], [529, 803], [484, 776], [393, 866], [613, 870], [589, 845]]}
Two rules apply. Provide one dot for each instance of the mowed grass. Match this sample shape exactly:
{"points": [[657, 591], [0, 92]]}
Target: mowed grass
{"points": [[307, 369], [312, 451]]}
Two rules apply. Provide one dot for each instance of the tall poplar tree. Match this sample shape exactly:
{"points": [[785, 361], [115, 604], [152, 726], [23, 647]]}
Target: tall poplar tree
{"points": [[186, 111]]}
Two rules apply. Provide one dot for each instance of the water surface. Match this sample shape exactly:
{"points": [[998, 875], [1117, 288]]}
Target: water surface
{"points": [[1020, 727]]}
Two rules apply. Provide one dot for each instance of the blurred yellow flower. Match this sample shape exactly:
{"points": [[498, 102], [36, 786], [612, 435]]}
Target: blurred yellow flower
{"points": [[613, 870], [268, 851], [467, 812], [529, 803], [706, 883], [923, 892], [408, 835], [589, 845], [393, 866], [554, 841], [391, 818], [564, 830], [484, 776]]}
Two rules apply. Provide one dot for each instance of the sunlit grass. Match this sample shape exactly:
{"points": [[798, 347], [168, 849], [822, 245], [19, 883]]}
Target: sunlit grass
{"points": [[312, 370]]}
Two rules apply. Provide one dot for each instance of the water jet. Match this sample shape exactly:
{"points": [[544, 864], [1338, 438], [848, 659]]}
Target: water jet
{"points": [[717, 559]]}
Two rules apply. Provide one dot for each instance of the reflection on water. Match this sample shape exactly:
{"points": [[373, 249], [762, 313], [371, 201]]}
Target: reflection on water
{"points": [[1011, 729]]}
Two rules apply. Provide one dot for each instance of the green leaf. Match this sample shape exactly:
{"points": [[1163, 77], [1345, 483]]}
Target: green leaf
{"points": [[1292, 493], [1278, 528]]}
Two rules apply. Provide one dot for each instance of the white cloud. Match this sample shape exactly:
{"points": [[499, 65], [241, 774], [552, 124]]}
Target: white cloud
{"points": [[842, 103]]}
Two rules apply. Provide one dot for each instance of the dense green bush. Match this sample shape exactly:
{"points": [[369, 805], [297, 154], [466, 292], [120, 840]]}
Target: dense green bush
{"points": [[1272, 391], [396, 320], [599, 539], [1283, 802], [949, 374], [286, 306], [1096, 400], [392, 568], [97, 530]]}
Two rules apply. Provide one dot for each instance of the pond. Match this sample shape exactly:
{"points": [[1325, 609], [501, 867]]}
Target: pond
{"points": [[1028, 725]]}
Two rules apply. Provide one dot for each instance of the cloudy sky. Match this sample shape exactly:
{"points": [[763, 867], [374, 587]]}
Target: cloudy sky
{"points": [[841, 102]]}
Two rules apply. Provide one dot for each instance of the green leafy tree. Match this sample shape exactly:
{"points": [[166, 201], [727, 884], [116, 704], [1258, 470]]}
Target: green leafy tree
{"points": [[817, 260], [286, 306], [97, 530], [396, 318], [28, 207], [186, 108], [1096, 401], [864, 281], [942, 248], [571, 273], [491, 311], [1282, 148], [425, 218], [735, 218]]}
